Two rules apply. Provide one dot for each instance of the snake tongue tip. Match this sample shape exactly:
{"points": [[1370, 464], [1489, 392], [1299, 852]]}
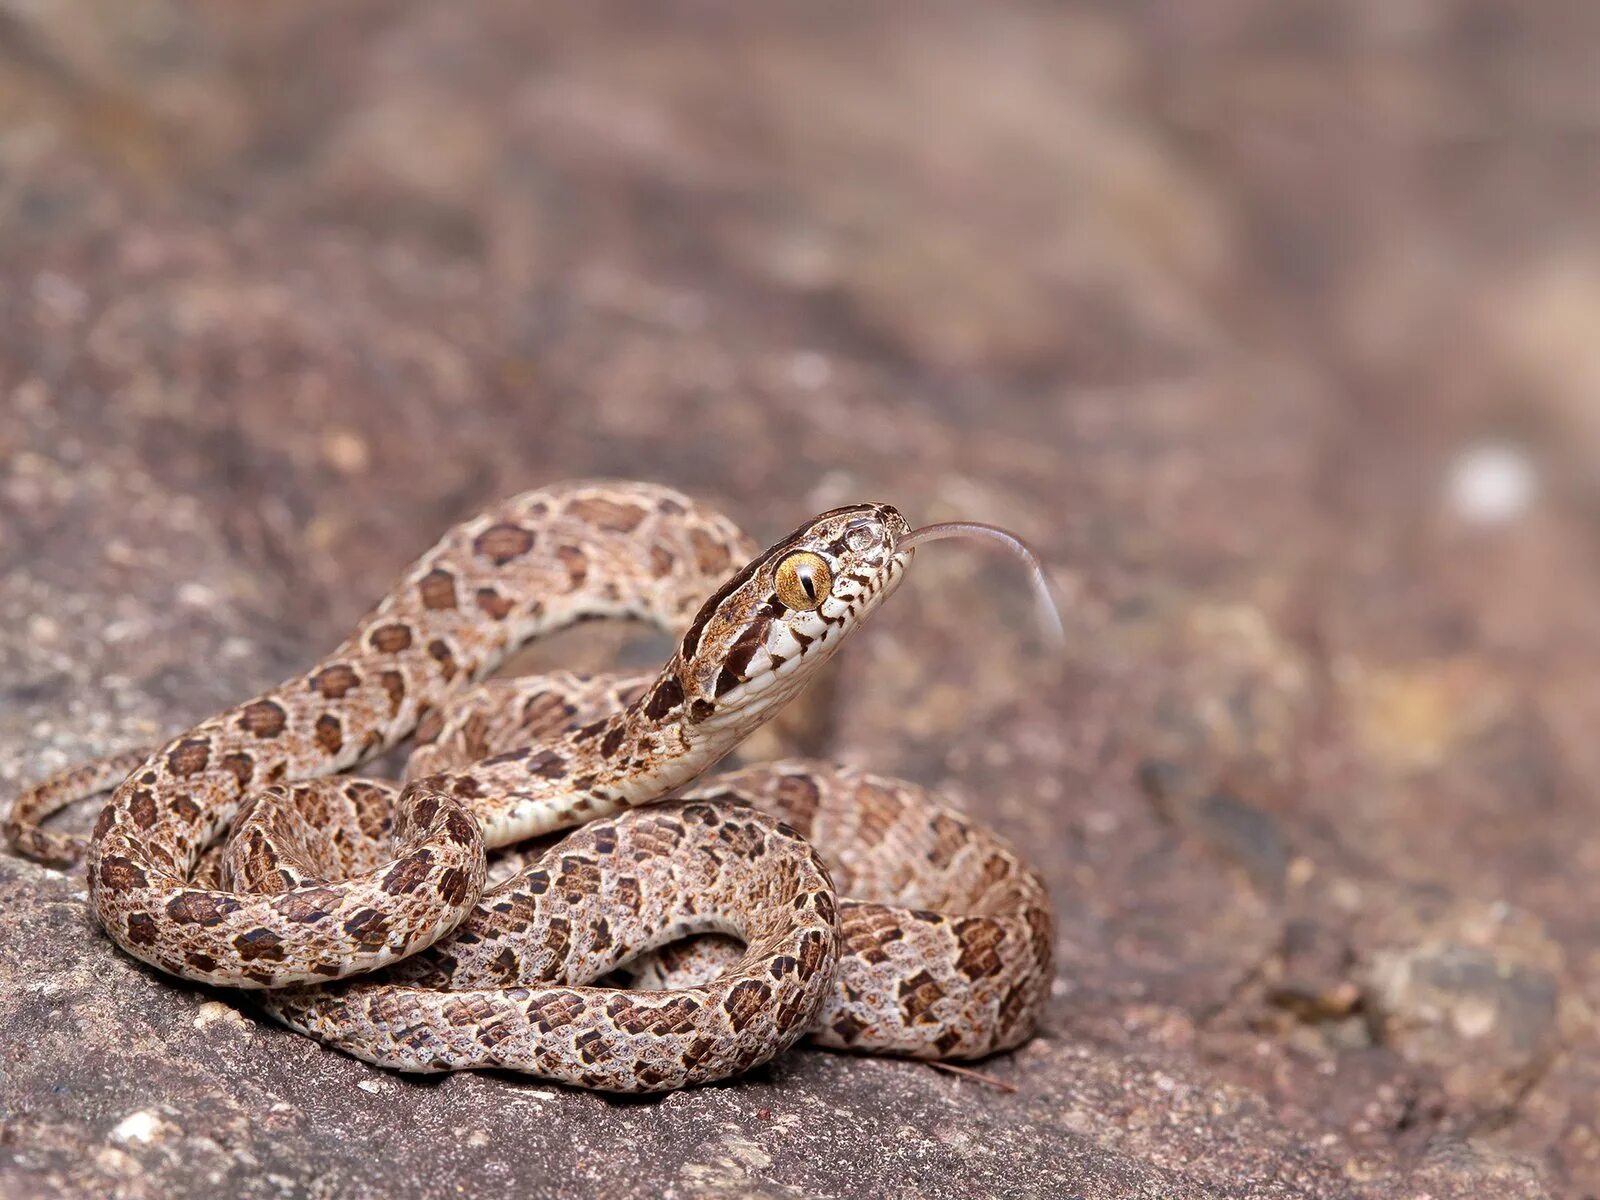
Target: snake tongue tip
{"points": [[1055, 633], [1049, 614]]}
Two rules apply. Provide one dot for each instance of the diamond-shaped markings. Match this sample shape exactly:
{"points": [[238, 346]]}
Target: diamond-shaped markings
{"points": [[918, 994], [334, 681], [206, 909], [995, 868], [259, 944], [369, 927], [610, 515], [142, 808], [797, 798], [189, 756], [142, 929], [880, 809], [746, 839], [979, 939], [659, 836], [848, 1028], [580, 877], [1041, 935], [437, 589], [502, 542], [868, 930], [697, 1051], [122, 873], [1015, 1004], [467, 1010], [625, 893], [745, 1001], [557, 939], [493, 1032], [591, 1046], [675, 1016], [650, 1076], [949, 836], [306, 905], [555, 1010]]}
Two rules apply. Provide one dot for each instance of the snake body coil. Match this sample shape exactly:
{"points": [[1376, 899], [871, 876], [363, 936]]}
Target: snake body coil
{"points": [[239, 854]]}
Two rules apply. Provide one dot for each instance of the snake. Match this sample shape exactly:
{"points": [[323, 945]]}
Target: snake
{"points": [[689, 928]]}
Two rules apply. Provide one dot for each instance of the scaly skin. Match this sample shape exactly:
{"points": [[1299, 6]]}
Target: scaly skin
{"points": [[947, 948]]}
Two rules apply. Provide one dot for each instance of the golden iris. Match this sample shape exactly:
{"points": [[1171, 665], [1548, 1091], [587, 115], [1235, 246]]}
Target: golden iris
{"points": [[803, 580]]}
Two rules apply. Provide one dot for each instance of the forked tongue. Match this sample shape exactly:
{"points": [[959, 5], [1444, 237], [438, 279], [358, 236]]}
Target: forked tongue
{"points": [[1049, 615]]}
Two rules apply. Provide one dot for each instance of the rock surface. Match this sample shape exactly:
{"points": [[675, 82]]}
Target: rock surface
{"points": [[1271, 325]]}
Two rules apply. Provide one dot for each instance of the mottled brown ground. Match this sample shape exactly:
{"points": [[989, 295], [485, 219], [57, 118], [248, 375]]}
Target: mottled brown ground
{"points": [[1271, 324]]}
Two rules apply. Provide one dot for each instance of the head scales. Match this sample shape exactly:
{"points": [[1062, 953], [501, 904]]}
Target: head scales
{"points": [[749, 650]]}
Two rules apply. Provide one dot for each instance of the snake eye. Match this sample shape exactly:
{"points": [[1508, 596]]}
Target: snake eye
{"points": [[803, 580]]}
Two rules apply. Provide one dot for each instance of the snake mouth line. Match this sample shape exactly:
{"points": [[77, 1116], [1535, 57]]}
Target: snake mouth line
{"points": [[1048, 613]]}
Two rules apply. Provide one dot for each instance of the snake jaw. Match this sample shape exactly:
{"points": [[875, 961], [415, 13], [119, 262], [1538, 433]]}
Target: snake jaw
{"points": [[748, 651]]}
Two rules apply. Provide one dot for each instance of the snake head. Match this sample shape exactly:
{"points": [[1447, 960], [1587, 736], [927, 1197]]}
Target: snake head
{"points": [[761, 635]]}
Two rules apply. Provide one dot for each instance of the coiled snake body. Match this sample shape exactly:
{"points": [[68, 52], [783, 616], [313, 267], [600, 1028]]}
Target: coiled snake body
{"points": [[941, 948]]}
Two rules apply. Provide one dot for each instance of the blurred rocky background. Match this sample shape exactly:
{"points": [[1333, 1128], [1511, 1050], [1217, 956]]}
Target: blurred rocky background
{"points": [[1275, 326]]}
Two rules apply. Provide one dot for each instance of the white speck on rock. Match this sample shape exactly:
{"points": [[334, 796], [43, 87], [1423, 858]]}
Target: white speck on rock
{"points": [[370, 1085], [1492, 482], [139, 1127], [1474, 1018]]}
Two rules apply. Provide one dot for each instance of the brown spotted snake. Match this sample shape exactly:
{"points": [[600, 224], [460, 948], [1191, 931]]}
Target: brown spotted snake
{"points": [[658, 945]]}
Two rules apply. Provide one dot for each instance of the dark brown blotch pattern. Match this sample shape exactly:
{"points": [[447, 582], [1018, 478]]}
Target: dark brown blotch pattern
{"points": [[439, 650], [260, 945], [664, 698], [206, 909], [306, 905], [437, 590], [390, 638], [576, 564], [329, 731], [189, 756], [454, 884], [409, 874], [368, 927], [610, 515], [493, 603], [918, 994], [745, 1001], [142, 807], [980, 939], [394, 686], [502, 542], [336, 681], [238, 764]]}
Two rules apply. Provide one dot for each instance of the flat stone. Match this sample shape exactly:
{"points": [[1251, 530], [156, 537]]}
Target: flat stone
{"points": [[1289, 382]]}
